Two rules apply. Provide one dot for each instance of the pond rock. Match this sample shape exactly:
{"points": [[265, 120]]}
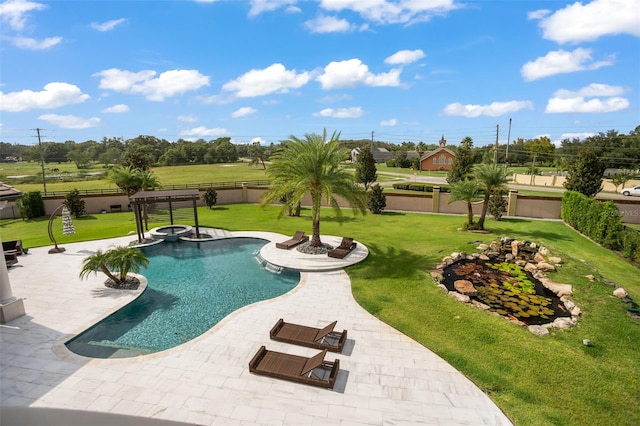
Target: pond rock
{"points": [[620, 293], [459, 297], [465, 287], [538, 330]]}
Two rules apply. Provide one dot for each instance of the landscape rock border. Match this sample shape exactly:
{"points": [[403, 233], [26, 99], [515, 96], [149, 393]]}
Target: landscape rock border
{"points": [[541, 263]]}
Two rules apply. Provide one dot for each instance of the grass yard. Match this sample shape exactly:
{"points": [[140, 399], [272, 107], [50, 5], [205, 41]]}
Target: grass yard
{"points": [[553, 380]]}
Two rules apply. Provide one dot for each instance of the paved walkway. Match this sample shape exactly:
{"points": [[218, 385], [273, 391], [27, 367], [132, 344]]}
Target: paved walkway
{"points": [[385, 377]]}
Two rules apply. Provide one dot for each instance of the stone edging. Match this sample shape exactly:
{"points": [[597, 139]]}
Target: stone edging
{"points": [[538, 266]]}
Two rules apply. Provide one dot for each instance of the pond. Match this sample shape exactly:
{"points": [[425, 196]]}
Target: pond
{"points": [[505, 288]]}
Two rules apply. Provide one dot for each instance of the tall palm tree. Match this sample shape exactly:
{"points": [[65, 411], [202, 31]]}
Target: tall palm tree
{"points": [[467, 191], [491, 178], [312, 165]]}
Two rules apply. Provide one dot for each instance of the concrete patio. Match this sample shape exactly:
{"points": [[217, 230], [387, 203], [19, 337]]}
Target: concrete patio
{"points": [[385, 378]]}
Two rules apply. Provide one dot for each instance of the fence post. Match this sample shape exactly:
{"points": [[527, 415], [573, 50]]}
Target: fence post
{"points": [[245, 192], [435, 208], [512, 202]]}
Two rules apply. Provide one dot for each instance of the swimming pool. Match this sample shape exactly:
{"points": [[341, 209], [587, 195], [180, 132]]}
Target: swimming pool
{"points": [[191, 287]]}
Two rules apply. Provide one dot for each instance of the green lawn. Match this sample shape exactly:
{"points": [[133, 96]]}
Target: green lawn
{"points": [[553, 380]]}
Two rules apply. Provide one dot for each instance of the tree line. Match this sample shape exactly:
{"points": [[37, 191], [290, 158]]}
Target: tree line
{"points": [[614, 149]]}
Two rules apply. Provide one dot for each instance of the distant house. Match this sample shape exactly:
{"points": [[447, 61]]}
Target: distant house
{"points": [[440, 159], [380, 155]]}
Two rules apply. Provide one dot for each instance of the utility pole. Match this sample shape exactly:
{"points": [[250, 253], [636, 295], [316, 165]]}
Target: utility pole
{"points": [[372, 142], [506, 157], [44, 179], [495, 151]]}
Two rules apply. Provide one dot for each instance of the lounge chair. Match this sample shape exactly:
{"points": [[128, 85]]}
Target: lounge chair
{"points": [[346, 246], [318, 338], [298, 238], [10, 257], [313, 371], [15, 245]]}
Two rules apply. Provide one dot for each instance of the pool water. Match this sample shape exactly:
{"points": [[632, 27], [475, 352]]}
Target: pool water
{"points": [[191, 287]]}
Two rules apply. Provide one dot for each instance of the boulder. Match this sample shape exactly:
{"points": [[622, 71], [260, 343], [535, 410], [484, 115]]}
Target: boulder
{"points": [[563, 322], [538, 330], [482, 247], [576, 312], [543, 251], [459, 297], [480, 305], [590, 277], [538, 258], [465, 287], [557, 288], [530, 267], [495, 246], [484, 257], [620, 293], [546, 267], [555, 259], [444, 288], [514, 248]]}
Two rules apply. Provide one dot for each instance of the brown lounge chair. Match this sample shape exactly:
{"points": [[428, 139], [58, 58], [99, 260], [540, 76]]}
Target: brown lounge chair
{"points": [[298, 238], [318, 338], [346, 246], [15, 245], [313, 371], [10, 257]]}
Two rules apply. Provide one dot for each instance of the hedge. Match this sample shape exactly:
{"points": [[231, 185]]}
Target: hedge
{"points": [[600, 221]]}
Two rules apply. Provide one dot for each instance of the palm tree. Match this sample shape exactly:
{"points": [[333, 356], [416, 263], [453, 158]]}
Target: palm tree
{"points": [[491, 178], [126, 178], [148, 180], [312, 165], [121, 259], [467, 191], [91, 264]]}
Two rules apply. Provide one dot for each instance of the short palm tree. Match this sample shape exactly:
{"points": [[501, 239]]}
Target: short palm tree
{"points": [[312, 165], [491, 178], [467, 191], [115, 263], [126, 178]]}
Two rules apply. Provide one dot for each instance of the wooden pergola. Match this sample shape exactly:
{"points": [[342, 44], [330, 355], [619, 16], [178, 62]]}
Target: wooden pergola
{"points": [[140, 200]]}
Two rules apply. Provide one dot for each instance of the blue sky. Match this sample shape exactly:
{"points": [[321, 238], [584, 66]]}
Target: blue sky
{"points": [[406, 70]]}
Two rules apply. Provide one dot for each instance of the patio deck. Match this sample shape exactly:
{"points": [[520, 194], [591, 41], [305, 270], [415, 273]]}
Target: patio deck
{"points": [[385, 377]]}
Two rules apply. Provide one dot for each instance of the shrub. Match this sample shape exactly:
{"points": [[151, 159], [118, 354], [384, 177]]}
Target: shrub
{"points": [[74, 203], [377, 200], [210, 197], [497, 205], [31, 205]]}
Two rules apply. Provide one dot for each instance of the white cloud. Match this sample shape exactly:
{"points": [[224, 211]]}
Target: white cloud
{"points": [[70, 121], [14, 12], [587, 22], [494, 109], [273, 79], [167, 84], [594, 98], [260, 140], [243, 112], [33, 44], [392, 12], [537, 14], [329, 24], [404, 57], [116, 109], [389, 123], [578, 135], [561, 62], [107, 26], [353, 72], [353, 112], [335, 98], [203, 131], [54, 95], [261, 6], [187, 118]]}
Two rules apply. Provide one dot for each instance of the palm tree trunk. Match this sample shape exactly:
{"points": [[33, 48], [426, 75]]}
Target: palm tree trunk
{"points": [[315, 219], [485, 205], [470, 213], [109, 274]]}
